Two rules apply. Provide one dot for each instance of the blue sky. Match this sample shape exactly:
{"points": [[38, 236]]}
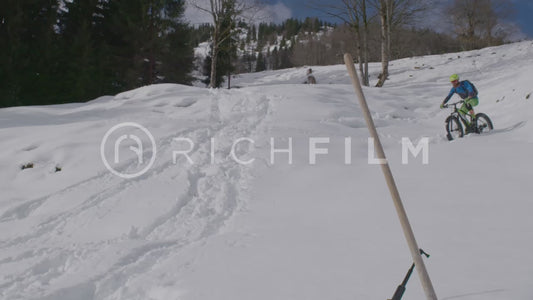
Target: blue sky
{"points": [[279, 10], [301, 9], [524, 16]]}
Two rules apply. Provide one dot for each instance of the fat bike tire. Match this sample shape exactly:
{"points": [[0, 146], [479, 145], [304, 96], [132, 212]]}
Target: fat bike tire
{"points": [[483, 123], [454, 128]]}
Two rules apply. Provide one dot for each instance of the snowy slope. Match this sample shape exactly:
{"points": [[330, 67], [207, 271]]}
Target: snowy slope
{"points": [[278, 227]]}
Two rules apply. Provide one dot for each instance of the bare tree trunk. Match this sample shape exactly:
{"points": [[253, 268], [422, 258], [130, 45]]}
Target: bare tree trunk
{"points": [[214, 58], [359, 49], [229, 80], [471, 31], [390, 8], [383, 9], [366, 81], [365, 76], [361, 32]]}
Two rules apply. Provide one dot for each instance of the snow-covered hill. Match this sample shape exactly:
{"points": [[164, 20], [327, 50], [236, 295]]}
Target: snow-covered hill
{"points": [[226, 211]]}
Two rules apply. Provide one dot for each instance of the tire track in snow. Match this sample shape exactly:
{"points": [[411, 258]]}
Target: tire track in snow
{"points": [[212, 197]]}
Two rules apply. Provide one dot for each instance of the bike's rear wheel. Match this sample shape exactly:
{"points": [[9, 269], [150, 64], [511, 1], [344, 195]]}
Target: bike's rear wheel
{"points": [[454, 128], [483, 123]]}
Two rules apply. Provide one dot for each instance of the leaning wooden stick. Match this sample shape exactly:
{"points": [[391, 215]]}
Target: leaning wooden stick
{"points": [[400, 210]]}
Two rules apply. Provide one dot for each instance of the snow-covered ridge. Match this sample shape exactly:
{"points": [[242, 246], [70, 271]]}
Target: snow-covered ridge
{"points": [[278, 227]]}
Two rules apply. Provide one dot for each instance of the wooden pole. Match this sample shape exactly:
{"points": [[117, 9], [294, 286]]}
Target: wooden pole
{"points": [[400, 210]]}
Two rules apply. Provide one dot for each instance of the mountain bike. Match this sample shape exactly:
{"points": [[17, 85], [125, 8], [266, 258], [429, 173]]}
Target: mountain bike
{"points": [[455, 122]]}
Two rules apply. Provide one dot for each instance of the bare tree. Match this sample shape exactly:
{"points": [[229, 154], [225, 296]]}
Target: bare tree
{"points": [[355, 14], [394, 14], [224, 15], [384, 15], [475, 20], [467, 21]]}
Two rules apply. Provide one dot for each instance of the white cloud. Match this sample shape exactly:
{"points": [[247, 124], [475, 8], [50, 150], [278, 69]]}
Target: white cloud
{"points": [[196, 16], [275, 13]]}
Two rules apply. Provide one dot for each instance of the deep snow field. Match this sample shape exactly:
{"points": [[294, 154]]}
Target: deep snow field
{"points": [[235, 206]]}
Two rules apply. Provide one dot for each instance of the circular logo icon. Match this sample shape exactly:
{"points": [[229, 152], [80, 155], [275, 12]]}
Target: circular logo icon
{"points": [[128, 150]]}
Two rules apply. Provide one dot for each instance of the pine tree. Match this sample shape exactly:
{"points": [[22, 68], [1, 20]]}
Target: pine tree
{"points": [[274, 59], [260, 64], [285, 59], [29, 53], [177, 53], [148, 41], [83, 58]]}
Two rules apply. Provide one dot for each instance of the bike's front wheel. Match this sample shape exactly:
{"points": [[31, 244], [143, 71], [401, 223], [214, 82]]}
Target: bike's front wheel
{"points": [[483, 123], [454, 128]]}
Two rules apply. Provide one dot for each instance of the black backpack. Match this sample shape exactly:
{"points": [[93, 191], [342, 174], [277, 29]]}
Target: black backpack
{"points": [[473, 86]]}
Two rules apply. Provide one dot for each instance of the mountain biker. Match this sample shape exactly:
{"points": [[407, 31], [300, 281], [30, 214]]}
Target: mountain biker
{"points": [[310, 78], [467, 92]]}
